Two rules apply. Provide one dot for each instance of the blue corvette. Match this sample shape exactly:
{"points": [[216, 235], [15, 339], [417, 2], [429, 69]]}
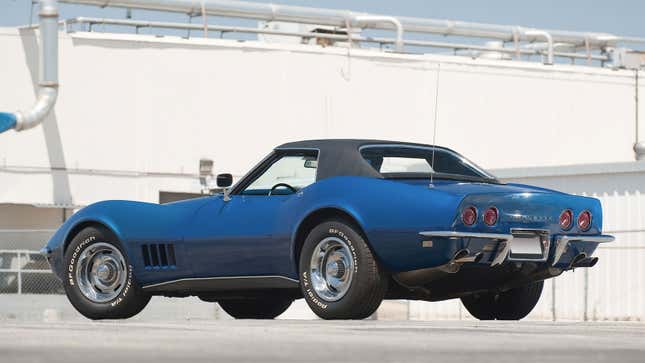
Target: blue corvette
{"points": [[343, 224]]}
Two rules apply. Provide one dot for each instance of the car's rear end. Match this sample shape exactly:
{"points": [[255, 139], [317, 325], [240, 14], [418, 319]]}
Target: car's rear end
{"points": [[495, 222], [542, 226], [505, 236]]}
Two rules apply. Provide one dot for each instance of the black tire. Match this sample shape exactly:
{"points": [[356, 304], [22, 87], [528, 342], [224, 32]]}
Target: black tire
{"points": [[131, 298], [256, 308], [368, 284], [514, 304]]}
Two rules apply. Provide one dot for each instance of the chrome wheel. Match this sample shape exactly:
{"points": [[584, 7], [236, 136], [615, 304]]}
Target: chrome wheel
{"points": [[101, 273], [331, 268]]}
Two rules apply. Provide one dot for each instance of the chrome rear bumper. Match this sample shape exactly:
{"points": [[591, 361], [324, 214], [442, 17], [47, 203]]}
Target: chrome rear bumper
{"points": [[506, 240], [562, 242]]}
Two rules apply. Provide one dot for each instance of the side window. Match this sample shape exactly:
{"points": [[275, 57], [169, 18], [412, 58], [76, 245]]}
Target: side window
{"points": [[296, 171], [405, 165], [400, 160]]}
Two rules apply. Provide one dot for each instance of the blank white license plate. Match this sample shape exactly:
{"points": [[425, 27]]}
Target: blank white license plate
{"points": [[526, 246]]}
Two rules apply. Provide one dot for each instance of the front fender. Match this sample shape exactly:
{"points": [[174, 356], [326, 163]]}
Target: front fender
{"points": [[128, 220]]}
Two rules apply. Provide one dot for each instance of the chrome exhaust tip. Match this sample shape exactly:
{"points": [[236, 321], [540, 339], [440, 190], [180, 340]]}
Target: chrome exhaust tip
{"points": [[468, 258], [579, 257], [585, 262], [462, 257], [460, 254]]}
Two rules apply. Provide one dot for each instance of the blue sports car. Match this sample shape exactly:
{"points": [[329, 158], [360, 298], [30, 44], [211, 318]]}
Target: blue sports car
{"points": [[343, 224]]}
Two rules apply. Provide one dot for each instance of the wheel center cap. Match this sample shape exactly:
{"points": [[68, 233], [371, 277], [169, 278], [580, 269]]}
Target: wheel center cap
{"points": [[336, 269], [104, 272]]}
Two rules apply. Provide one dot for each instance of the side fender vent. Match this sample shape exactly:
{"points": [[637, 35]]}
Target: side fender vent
{"points": [[158, 256]]}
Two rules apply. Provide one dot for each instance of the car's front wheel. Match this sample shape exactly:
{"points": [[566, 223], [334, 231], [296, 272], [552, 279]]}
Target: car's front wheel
{"points": [[267, 308], [513, 304], [339, 276], [98, 277]]}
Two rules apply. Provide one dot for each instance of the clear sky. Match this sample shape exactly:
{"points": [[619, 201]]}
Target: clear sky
{"points": [[622, 17]]}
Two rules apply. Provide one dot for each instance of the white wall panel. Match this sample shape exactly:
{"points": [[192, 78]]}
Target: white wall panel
{"points": [[142, 103]]}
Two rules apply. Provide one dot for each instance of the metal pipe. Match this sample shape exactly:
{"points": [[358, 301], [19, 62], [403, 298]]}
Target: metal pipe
{"points": [[338, 18], [549, 42], [220, 28], [579, 257], [585, 262], [48, 73], [357, 38], [639, 145], [469, 258], [372, 20]]}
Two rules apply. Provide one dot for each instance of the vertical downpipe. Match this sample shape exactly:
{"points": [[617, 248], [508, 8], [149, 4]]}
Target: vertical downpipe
{"points": [[48, 73], [639, 144]]}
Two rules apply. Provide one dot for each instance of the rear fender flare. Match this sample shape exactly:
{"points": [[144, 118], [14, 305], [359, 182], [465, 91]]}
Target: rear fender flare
{"points": [[311, 219]]}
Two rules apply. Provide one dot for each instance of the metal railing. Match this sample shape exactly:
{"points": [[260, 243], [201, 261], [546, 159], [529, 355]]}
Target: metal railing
{"points": [[331, 25], [350, 39], [547, 43]]}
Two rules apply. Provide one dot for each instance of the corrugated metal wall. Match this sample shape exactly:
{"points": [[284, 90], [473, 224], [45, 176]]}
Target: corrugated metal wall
{"points": [[613, 289]]}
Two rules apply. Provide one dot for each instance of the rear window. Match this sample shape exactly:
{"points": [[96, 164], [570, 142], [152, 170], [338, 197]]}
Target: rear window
{"points": [[419, 162]]}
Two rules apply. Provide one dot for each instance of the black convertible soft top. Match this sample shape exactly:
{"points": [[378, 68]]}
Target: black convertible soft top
{"points": [[341, 157]]}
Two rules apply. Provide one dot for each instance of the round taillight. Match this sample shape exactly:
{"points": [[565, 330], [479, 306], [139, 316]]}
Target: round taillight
{"points": [[584, 221], [490, 216], [469, 216], [566, 219]]}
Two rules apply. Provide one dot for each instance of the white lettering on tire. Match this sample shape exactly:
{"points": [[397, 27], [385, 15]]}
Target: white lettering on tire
{"points": [[309, 293], [124, 293], [71, 265], [349, 243]]}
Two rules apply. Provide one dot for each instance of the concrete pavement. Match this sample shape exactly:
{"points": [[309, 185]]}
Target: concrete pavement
{"points": [[320, 341]]}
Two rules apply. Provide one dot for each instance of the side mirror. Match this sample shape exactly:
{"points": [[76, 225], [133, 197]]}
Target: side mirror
{"points": [[224, 180]]}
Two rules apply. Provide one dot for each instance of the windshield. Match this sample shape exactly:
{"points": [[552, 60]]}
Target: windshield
{"points": [[412, 162], [290, 172]]}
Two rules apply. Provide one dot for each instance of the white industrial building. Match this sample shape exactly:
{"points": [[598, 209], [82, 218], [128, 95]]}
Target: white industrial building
{"points": [[136, 114]]}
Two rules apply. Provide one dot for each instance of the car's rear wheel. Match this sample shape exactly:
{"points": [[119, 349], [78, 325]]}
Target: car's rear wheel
{"points": [[267, 308], [513, 304], [98, 277], [339, 276]]}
